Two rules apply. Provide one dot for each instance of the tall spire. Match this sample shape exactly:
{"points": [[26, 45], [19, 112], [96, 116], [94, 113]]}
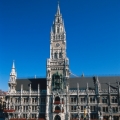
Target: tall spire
{"points": [[12, 80], [13, 65], [58, 9], [13, 69]]}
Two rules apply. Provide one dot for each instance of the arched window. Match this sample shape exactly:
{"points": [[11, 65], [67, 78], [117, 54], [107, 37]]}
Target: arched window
{"points": [[116, 100], [57, 29], [57, 99], [113, 100], [57, 117], [60, 55], [105, 100], [102, 99], [57, 108], [55, 55], [58, 20]]}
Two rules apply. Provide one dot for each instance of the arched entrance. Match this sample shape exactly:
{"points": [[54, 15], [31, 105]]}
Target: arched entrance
{"points": [[57, 117]]}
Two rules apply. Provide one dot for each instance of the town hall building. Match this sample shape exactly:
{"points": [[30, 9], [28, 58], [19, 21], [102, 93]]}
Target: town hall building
{"points": [[59, 96]]}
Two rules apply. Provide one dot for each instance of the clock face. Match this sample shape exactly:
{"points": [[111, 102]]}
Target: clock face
{"points": [[57, 44]]}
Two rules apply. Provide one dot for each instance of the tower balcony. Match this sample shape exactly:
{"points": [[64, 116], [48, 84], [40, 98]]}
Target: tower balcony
{"points": [[8, 110]]}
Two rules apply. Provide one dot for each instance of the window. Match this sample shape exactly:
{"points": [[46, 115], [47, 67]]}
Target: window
{"points": [[73, 108], [15, 115], [92, 108], [24, 115], [16, 107], [104, 99], [25, 100], [114, 100], [34, 108], [74, 116], [60, 55], [57, 99], [17, 100], [92, 99], [57, 29], [58, 20], [23, 108], [115, 109], [82, 108], [34, 100], [55, 55], [33, 115], [93, 116], [105, 109], [83, 100], [26, 108], [73, 100]]}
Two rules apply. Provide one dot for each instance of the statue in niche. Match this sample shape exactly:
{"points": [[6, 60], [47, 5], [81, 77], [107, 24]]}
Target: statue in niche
{"points": [[57, 81]]}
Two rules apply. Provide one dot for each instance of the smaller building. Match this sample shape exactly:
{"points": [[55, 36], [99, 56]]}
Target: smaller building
{"points": [[2, 103]]}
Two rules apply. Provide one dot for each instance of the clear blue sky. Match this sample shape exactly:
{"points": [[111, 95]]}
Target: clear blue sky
{"points": [[92, 28]]}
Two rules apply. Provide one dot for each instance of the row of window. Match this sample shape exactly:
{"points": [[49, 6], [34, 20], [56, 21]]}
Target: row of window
{"points": [[94, 108], [24, 116], [75, 116], [82, 100], [34, 108], [74, 108], [26, 100], [56, 55], [93, 100], [113, 100], [114, 109]]}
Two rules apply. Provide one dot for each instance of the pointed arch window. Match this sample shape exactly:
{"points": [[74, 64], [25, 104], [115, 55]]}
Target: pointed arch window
{"points": [[55, 55], [57, 98], [60, 55], [58, 20], [57, 108], [58, 30]]}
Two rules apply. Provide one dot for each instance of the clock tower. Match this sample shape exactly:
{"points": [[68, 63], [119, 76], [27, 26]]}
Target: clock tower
{"points": [[57, 72]]}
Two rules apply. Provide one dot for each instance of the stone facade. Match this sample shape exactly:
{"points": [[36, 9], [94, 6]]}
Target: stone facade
{"points": [[58, 96]]}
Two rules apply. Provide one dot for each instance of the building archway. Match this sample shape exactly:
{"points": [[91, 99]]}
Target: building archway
{"points": [[57, 117]]}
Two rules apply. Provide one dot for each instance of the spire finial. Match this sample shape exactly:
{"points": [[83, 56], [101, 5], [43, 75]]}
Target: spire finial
{"points": [[58, 9], [13, 65]]}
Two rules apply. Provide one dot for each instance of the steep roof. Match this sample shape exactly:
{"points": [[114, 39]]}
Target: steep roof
{"points": [[104, 81], [82, 81], [34, 83]]}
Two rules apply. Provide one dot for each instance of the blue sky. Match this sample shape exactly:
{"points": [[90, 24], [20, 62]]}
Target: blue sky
{"points": [[93, 36]]}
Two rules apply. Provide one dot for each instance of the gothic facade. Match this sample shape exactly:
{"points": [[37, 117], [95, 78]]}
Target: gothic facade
{"points": [[58, 96]]}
